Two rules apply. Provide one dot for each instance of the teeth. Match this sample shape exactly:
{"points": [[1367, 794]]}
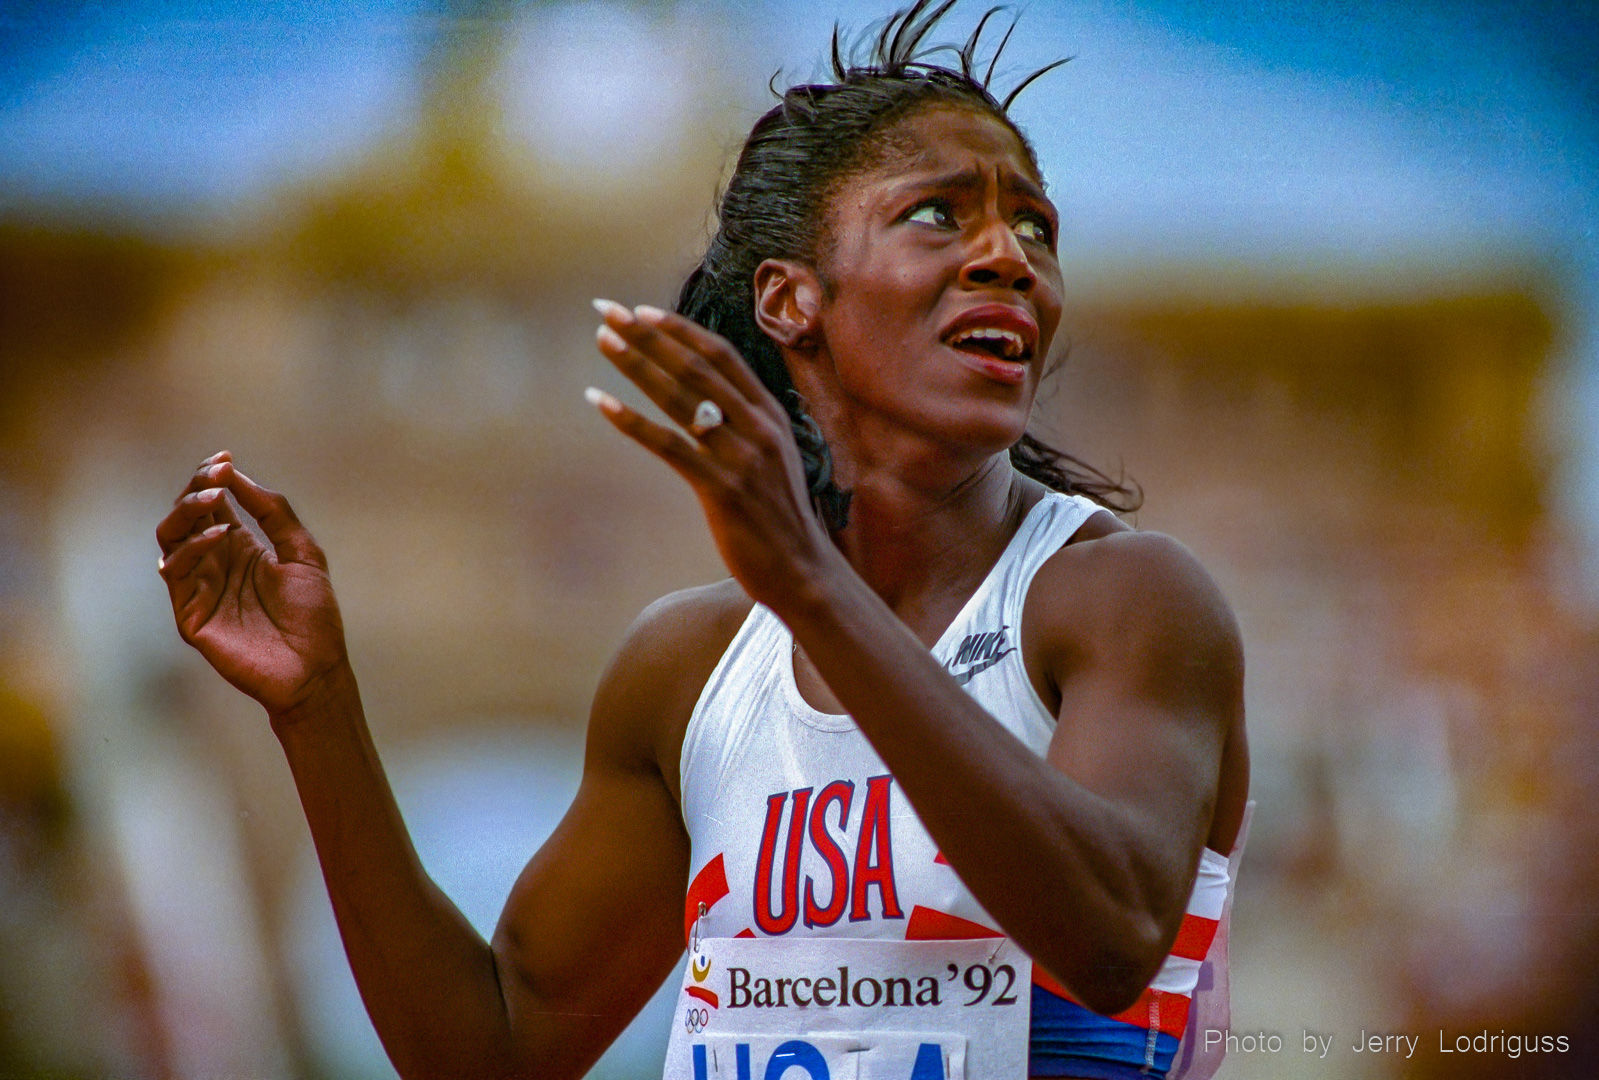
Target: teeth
{"points": [[1010, 342]]}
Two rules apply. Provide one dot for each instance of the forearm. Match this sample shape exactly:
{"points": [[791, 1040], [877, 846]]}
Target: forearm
{"points": [[427, 977], [1081, 881]]}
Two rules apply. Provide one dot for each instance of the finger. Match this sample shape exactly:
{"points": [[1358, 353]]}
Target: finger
{"points": [[691, 460], [690, 377], [225, 512], [290, 540], [177, 566], [695, 371], [206, 473], [723, 357], [667, 392], [204, 476], [192, 513], [738, 424]]}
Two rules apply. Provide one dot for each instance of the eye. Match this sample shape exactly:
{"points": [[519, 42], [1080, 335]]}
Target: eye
{"points": [[936, 212], [1034, 228]]}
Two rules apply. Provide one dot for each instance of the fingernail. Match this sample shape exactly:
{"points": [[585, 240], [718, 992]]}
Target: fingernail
{"points": [[218, 528], [210, 493], [610, 309], [601, 400], [648, 314], [161, 564], [609, 339]]}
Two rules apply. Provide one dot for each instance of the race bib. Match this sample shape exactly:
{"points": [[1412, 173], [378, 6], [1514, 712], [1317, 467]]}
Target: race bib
{"points": [[829, 1009]]}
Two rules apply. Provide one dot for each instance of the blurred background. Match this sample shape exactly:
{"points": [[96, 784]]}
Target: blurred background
{"points": [[1333, 274]]}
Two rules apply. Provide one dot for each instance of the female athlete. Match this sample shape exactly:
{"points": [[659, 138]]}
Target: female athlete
{"points": [[944, 702]]}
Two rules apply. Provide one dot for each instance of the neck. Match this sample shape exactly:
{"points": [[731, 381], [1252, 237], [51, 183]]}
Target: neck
{"points": [[927, 519], [923, 543]]}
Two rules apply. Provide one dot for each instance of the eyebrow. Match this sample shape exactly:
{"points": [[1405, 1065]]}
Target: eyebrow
{"points": [[972, 179]]}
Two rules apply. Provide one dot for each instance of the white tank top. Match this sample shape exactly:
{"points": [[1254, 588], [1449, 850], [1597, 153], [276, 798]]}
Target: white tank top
{"points": [[799, 830]]}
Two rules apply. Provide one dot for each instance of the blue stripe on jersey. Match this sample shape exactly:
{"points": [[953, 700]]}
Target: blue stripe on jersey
{"points": [[1068, 1040]]}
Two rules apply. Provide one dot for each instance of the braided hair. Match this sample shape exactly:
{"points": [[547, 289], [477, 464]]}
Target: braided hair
{"points": [[774, 207]]}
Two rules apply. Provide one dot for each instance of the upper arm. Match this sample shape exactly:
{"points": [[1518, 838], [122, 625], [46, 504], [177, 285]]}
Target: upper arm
{"points": [[594, 922], [1142, 652]]}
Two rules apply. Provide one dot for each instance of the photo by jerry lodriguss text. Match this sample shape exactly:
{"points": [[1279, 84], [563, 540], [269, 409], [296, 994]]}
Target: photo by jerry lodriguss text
{"points": [[1400, 1044]]}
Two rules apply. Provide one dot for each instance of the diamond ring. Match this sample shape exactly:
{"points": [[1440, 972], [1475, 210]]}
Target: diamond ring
{"points": [[707, 414]]}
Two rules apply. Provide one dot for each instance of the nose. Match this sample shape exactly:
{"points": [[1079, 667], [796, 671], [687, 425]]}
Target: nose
{"points": [[997, 260]]}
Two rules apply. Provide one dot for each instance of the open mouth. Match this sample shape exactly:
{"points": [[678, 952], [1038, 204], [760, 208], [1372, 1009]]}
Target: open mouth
{"points": [[993, 343]]}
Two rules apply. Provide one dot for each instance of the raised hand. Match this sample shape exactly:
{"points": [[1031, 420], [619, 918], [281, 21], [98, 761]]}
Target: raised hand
{"points": [[264, 617], [744, 465]]}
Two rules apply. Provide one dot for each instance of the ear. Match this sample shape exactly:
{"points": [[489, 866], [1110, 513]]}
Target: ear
{"points": [[788, 301]]}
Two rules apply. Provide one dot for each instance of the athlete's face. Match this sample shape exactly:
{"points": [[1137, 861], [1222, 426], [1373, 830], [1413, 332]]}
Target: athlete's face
{"points": [[942, 288]]}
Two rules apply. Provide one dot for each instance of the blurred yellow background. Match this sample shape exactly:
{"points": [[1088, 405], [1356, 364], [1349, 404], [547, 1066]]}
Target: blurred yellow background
{"points": [[1332, 282]]}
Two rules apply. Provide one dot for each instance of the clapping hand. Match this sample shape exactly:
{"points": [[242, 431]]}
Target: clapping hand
{"points": [[264, 617]]}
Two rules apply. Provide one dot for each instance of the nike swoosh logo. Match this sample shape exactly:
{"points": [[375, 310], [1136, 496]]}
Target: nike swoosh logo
{"points": [[964, 677]]}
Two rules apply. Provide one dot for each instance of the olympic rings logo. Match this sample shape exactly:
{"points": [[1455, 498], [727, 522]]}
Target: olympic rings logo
{"points": [[696, 1020]]}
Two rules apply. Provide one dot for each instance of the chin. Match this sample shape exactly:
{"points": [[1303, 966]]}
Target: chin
{"points": [[985, 430]]}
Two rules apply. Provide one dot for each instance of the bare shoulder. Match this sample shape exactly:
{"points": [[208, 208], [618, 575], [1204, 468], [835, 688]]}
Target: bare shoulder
{"points": [[678, 635], [1138, 576], [648, 691], [1137, 600]]}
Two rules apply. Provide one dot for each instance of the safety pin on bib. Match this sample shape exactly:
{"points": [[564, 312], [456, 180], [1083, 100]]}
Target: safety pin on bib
{"points": [[694, 934]]}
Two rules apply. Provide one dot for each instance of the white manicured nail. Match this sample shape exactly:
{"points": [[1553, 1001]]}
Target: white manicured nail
{"points": [[601, 400], [609, 339], [610, 309], [648, 314]]}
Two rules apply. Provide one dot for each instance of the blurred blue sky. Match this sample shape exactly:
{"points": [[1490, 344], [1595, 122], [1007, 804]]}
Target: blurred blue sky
{"points": [[1396, 142], [157, 106]]}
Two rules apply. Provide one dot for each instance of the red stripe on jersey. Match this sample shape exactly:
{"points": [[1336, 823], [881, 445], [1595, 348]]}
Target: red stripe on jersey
{"points": [[1193, 937], [928, 925], [709, 886], [1172, 1009]]}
